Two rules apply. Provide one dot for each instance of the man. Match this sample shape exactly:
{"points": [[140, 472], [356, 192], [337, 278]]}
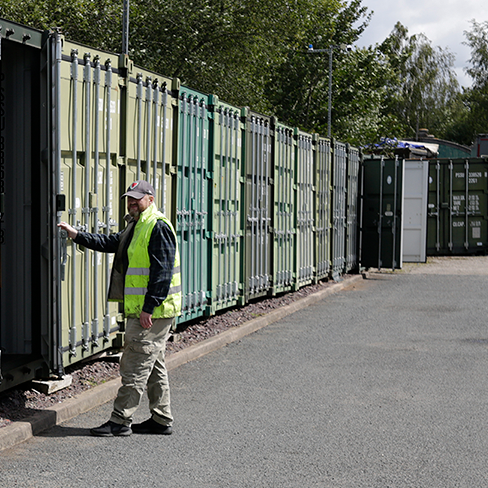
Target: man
{"points": [[146, 277]]}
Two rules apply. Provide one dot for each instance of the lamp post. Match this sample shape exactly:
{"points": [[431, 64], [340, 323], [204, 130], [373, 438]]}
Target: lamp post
{"points": [[329, 50], [125, 28]]}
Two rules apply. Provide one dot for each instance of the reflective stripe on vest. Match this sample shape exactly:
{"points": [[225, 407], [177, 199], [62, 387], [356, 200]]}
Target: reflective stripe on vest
{"points": [[137, 275]]}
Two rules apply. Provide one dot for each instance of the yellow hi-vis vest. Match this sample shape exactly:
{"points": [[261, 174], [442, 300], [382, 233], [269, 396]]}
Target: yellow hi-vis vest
{"points": [[137, 276]]}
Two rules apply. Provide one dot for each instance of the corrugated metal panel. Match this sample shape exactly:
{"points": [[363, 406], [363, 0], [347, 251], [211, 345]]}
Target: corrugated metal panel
{"points": [[226, 166], [284, 190], [323, 171], [352, 255], [89, 146], [339, 202], [305, 207], [193, 202], [257, 276], [150, 118]]}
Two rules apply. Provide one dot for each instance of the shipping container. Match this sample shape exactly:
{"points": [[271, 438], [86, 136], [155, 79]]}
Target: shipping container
{"points": [[382, 213], [284, 225], [457, 221], [352, 205], [226, 167], [323, 198], [194, 205], [305, 206], [258, 209], [339, 203], [61, 149]]}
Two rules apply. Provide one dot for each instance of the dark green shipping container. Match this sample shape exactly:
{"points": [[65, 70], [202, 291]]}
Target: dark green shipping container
{"points": [[194, 202], [381, 216], [457, 222]]}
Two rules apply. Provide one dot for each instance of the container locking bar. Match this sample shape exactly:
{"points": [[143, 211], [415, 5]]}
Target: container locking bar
{"points": [[63, 236]]}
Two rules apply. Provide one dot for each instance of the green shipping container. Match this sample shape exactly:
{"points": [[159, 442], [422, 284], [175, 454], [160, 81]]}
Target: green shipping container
{"points": [[284, 190], [305, 206], [323, 196], [194, 209], [352, 217], [258, 208], [226, 168], [60, 149], [381, 215], [339, 203], [457, 221], [150, 107], [77, 126], [88, 84]]}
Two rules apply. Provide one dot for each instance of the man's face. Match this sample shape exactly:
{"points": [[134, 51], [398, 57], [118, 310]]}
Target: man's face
{"points": [[136, 207]]}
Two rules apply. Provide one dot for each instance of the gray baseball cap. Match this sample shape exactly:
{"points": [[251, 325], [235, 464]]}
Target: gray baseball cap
{"points": [[138, 189]]}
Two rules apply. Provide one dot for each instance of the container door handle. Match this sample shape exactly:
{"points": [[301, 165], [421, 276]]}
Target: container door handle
{"points": [[63, 235]]}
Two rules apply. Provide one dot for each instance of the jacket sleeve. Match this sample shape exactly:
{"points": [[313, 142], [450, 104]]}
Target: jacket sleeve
{"points": [[162, 251], [98, 242]]}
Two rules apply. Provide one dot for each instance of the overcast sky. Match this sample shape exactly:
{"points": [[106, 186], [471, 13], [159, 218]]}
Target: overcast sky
{"points": [[442, 21]]}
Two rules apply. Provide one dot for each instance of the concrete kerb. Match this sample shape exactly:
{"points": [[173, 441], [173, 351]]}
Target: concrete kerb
{"points": [[19, 432]]}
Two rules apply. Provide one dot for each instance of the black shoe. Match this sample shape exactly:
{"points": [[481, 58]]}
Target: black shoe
{"points": [[110, 429], [150, 426]]}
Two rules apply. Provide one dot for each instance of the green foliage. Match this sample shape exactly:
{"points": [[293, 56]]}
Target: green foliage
{"points": [[95, 23], [423, 90], [298, 87], [472, 116], [477, 40], [255, 54]]}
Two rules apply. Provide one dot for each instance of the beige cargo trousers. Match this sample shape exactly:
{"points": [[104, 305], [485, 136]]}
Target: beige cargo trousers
{"points": [[141, 365]]}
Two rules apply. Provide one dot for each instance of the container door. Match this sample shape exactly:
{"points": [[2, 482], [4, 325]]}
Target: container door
{"points": [[26, 275], [381, 222], [225, 165], [458, 206], [305, 208], [415, 208], [284, 204], [339, 219], [193, 202], [353, 160], [323, 157], [257, 242], [87, 169]]}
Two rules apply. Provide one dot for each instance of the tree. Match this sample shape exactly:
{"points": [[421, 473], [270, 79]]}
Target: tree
{"points": [[254, 54], [298, 87], [424, 91], [472, 117], [242, 50], [96, 23]]}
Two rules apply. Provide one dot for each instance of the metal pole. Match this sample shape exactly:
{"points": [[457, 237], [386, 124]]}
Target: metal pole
{"points": [[329, 119], [329, 50], [125, 28]]}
